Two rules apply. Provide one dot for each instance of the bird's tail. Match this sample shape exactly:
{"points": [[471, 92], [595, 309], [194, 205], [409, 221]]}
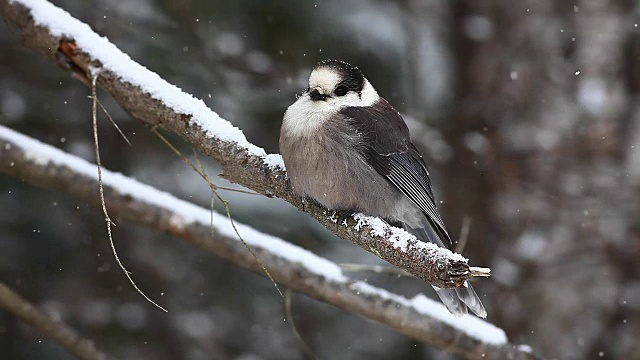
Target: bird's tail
{"points": [[456, 300]]}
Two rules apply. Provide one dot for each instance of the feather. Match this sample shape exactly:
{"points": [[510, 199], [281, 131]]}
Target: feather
{"points": [[396, 158]]}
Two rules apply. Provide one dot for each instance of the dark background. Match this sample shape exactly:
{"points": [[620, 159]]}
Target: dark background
{"points": [[526, 113]]}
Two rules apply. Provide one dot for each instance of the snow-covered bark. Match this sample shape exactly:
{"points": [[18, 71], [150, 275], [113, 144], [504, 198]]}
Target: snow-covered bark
{"points": [[149, 98], [419, 317]]}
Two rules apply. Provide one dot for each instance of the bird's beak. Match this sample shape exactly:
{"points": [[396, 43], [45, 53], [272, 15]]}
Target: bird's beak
{"points": [[316, 95]]}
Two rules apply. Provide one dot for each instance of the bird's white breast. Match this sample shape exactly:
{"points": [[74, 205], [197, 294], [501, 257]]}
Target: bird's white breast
{"points": [[305, 116]]}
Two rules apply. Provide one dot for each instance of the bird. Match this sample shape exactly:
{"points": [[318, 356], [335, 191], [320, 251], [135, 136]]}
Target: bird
{"points": [[347, 148]]}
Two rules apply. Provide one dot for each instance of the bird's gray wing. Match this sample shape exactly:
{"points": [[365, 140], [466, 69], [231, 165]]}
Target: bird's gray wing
{"points": [[395, 157], [407, 171], [386, 147]]}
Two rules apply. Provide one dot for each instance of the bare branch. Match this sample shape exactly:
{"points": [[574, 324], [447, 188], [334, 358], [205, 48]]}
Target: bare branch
{"points": [[214, 189], [58, 331], [127, 199], [292, 325], [71, 46], [107, 219]]}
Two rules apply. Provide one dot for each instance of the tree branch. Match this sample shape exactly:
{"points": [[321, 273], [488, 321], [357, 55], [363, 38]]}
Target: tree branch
{"points": [[418, 318], [73, 46], [143, 94], [58, 331]]}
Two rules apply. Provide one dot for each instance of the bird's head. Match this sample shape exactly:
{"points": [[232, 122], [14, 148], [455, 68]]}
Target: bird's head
{"points": [[337, 84]]}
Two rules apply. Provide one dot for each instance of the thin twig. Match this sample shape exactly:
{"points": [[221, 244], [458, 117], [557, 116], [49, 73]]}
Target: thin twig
{"points": [[287, 306], [56, 330], [213, 200], [237, 190], [480, 271], [17, 159], [108, 220], [113, 122], [152, 111], [241, 163], [202, 172], [227, 209]]}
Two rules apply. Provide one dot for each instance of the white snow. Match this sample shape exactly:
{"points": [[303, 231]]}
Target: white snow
{"points": [[61, 23], [471, 325], [274, 161], [188, 213], [525, 348], [401, 239]]}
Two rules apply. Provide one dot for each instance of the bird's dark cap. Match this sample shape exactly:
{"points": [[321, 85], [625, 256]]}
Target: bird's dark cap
{"points": [[351, 76]]}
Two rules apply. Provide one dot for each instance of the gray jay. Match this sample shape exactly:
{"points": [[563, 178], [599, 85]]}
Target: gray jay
{"points": [[349, 149]]}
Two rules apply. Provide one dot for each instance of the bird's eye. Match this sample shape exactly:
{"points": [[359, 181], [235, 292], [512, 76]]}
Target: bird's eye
{"points": [[341, 90]]}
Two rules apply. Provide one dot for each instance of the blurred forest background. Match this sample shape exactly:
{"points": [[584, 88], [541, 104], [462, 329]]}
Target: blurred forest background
{"points": [[526, 112]]}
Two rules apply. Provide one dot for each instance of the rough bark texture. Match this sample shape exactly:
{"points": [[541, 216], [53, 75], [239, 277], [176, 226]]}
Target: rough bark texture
{"points": [[14, 161], [238, 166]]}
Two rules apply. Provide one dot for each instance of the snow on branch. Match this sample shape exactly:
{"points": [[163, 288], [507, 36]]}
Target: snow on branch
{"points": [[419, 318], [147, 97], [75, 47]]}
